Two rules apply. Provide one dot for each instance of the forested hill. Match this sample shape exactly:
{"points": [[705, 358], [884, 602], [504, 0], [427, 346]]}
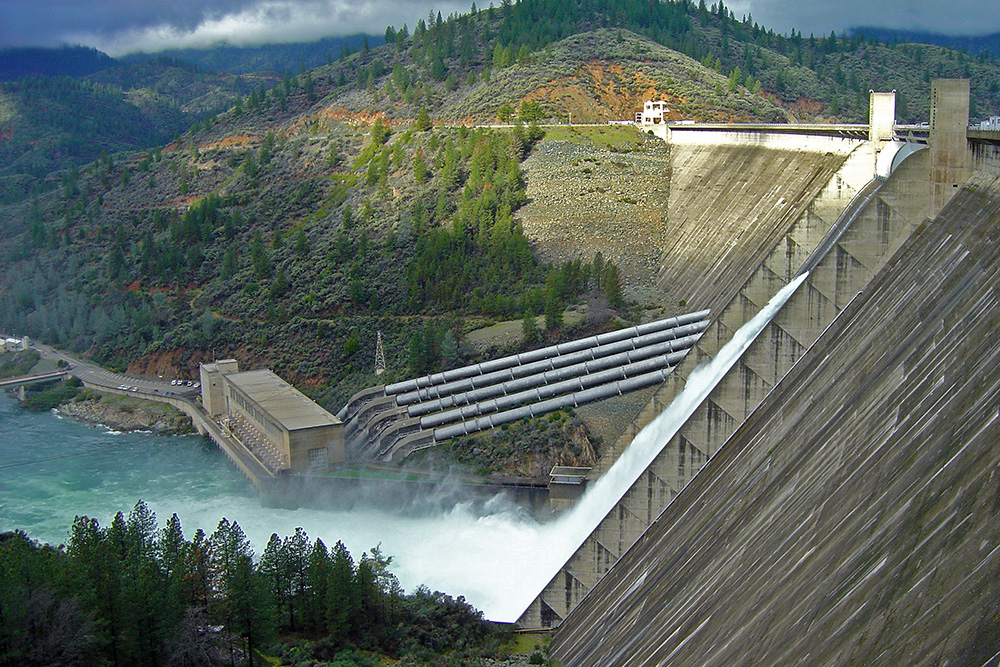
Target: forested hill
{"points": [[277, 58], [822, 77], [72, 61], [290, 229], [54, 123], [973, 45], [323, 206]]}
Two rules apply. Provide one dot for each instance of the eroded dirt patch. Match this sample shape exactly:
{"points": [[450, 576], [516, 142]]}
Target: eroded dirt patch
{"points": [[588, 195]]}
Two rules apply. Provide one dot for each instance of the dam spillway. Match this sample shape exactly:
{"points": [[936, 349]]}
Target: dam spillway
{"points": [[853, 513]]}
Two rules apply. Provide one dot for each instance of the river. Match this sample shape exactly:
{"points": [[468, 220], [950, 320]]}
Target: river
{"points": [[498, 557], [53, 469]]}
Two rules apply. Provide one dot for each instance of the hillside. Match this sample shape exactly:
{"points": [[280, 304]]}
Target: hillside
{"points": [[290, 229], [74, 61], [274, 58], [50, 124], [595, 60], [972, 45], [355, 197]]}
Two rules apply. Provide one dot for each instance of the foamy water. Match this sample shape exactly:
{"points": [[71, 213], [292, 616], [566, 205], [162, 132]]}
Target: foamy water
{"points": [[495, 555]]}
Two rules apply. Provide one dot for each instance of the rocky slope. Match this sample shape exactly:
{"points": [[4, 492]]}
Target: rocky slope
{"points": [[600, 189], [125, 414]]}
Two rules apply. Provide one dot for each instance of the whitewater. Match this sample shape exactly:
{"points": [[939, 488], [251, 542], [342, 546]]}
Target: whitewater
{"points": [[494, 554]]}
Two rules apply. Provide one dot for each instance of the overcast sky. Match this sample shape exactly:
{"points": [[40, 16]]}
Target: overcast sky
{"points": [[122, 26]]}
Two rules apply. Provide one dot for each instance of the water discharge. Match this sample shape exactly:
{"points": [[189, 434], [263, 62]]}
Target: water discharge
{"points": [[499, 558]]}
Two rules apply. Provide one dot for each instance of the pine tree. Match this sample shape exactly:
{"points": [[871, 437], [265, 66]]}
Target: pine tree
{"points": [[317, 575], [296, 559], [529, 328], [449, 350], [423, 122], [343, 599], [243, 600]]}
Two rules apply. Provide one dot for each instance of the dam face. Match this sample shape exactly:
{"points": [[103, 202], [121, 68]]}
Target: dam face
{"points": [[851, 518], [788, 225]]}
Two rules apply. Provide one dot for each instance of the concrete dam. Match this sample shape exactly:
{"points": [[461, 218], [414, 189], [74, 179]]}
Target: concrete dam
{"points": [[844, 514], [851, 518], [758, 205], [843, 258]]}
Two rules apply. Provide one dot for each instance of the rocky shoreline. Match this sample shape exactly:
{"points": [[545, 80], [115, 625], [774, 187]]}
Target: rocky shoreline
{"points": [[119, 416]]}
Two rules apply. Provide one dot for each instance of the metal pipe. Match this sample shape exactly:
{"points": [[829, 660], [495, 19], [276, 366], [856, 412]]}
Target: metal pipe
{"points": [[536, 409], [675, 347], [439, 391], [542, 353], [537, 394]]}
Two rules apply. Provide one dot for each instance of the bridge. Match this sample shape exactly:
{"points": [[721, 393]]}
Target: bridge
{"points": [[10, 383], [37, 378]]}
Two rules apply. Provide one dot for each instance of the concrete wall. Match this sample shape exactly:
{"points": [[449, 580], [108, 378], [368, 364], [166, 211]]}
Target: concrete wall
{"points": [[731, 202], [851, 519], [858, 254], [986, 152], [951, 164], [212, 394], [302, 441]]}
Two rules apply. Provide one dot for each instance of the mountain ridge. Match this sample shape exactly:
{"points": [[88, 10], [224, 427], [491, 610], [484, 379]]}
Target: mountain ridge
{"points": [[311, 206]]}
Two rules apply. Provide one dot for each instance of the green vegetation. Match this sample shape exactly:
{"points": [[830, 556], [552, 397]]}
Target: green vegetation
{"points": [[822, 76], [282, 261], [39, 398], [528, 448], [133, 593], [16, 364], [289, 229], [50, 124]]}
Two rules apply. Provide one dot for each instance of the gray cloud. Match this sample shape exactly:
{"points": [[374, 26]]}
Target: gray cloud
{"points": [[120, 26], [955, 17]]}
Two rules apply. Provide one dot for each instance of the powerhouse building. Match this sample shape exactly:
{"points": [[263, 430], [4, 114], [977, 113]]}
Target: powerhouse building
{"points": [[277, 422]]}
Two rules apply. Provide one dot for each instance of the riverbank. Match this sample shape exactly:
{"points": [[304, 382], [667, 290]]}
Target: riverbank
{"points": [[126, 414]]}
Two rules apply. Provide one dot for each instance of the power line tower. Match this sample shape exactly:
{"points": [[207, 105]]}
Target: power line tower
{"points": [[379, 356]]}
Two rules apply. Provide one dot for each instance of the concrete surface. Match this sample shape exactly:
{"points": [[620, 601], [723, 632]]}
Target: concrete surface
{"points": [[845, 270], [851, 519]]}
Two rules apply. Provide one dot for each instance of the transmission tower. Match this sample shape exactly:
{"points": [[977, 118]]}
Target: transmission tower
{"points": [[379, 356]]}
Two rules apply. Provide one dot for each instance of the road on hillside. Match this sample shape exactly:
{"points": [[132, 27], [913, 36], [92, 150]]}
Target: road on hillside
{"points": [[93, 374]]}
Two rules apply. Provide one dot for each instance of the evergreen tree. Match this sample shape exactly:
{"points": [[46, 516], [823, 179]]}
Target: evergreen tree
{"points": [[295, 549], [529, 328], [449, 350], [553, 313], [317, 575], [342, 598], [243, 599], [423, 122]]}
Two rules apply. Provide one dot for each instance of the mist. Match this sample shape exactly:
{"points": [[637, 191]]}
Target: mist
{"points": [[494, 553]]}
